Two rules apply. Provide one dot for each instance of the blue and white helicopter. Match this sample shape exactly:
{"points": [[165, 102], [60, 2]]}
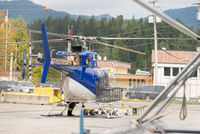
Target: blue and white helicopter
{"points": [[84, 82]]}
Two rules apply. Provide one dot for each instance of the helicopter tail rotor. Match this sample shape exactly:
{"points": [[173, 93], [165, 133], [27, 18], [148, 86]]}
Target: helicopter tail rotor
{"points": [[47, 58]]}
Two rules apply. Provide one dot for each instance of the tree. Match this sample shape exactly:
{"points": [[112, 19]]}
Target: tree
{"points": [[118, 27], [20, 36], [7, 34], [53, 75]]}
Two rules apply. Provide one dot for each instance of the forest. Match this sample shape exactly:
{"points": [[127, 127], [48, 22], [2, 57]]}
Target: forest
{"points": [[114, 27], [117, 27]]}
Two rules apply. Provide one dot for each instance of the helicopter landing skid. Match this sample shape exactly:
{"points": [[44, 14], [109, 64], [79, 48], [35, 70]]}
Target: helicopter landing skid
{"points": [[57, 114]]}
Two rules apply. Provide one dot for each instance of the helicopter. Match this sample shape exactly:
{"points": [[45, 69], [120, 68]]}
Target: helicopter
{"points": [[82, 80]]}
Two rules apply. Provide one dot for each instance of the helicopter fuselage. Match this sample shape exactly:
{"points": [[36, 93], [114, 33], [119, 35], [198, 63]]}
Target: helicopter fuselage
{"points": [[77, 88]]}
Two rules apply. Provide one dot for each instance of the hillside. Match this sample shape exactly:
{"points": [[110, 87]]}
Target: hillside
{"points": [[186, 15], [31, 11]]}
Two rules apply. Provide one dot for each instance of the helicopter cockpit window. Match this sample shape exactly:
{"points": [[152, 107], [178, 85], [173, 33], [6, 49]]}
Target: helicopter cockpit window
{"points": [[87, 59]]}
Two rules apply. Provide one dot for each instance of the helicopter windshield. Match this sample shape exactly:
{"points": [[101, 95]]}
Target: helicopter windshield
{"points": [[105, 79]]}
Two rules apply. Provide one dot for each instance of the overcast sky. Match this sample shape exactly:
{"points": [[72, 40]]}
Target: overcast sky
{"points": [[127, 8]]}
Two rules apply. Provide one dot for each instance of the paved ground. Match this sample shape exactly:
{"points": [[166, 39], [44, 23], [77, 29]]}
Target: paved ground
{"points": [[26, 119]]}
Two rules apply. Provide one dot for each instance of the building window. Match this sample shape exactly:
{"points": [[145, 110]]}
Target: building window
{"points": [[166, 71], [142, 81], [134, 82], [138, 81], [130, 82], [175, 71]]}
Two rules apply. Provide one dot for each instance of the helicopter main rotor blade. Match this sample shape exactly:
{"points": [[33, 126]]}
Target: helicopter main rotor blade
{"points": [[36, 41], [39, 32], [122, 48], [74, 37], [140, 38]]}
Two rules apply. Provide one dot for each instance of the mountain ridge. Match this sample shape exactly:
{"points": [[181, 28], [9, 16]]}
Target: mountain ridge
{"points": [[31, 11]]}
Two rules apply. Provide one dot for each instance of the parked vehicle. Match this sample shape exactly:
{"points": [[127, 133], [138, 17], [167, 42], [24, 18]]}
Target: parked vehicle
{"points": [[51, 84], [144, 91], [23, 86], [5, 85]]}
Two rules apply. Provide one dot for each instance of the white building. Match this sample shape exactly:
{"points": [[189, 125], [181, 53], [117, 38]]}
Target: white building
{"points": [[170, 63]]}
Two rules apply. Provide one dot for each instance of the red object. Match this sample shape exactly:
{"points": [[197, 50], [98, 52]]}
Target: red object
{"points": [[46, 9], [8, 85], [69, 32], [153, 93]]}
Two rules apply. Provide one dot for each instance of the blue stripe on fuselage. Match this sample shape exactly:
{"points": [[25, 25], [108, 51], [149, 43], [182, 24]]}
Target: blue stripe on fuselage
{"points": [[74, 72], [88, 80]]}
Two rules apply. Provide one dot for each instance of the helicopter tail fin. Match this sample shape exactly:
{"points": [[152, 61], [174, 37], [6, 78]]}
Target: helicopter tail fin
{"points": [[47, 58], [24, 66]]}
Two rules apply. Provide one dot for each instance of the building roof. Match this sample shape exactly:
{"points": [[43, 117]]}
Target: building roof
{"points": [[113, 63], [132, 76], [177, 57]]}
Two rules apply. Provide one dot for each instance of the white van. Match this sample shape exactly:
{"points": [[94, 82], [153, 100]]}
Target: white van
{"points": [[23, 86]]}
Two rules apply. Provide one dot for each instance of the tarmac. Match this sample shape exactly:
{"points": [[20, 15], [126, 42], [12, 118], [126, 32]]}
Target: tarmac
{"points": [[27, 119]]}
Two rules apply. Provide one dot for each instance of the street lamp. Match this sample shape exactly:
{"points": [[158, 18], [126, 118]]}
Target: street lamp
{"points": [[52, 52]]}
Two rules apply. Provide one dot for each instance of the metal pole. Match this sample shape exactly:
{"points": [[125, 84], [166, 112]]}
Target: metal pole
{"points": [[15, 62], [11, 66], [69, 41], [6, 20], [156, 50], [81, 122], [30, 57]]}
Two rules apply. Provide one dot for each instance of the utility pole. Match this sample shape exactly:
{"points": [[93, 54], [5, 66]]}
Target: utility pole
{"points": [[15, 62], [11, 66], [155, 46], [6, 53], [30, 57], [156, 50]]}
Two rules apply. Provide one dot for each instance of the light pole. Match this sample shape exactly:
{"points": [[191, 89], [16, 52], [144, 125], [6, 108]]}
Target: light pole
{"points": [[154, 19], [52, 52]]}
